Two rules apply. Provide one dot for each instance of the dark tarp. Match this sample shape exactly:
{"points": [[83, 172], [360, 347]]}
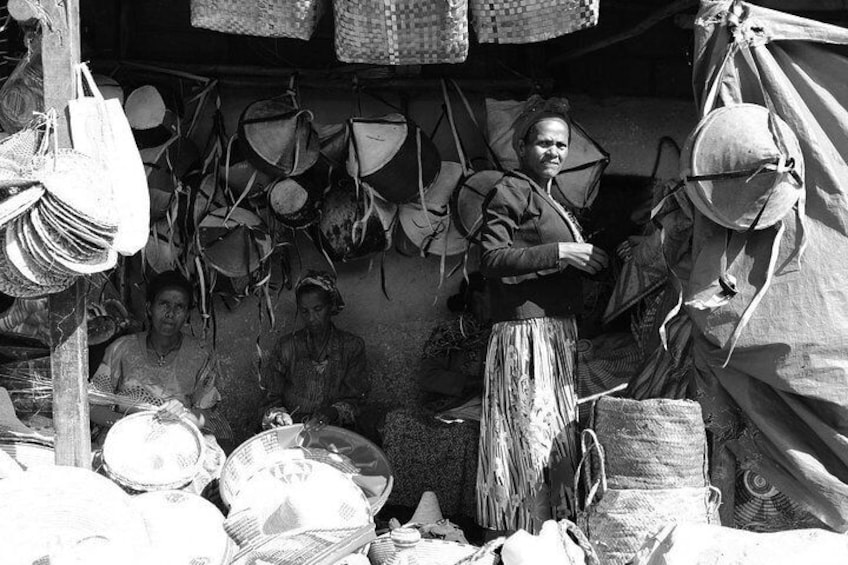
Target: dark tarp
{"points": [[789, 372]]}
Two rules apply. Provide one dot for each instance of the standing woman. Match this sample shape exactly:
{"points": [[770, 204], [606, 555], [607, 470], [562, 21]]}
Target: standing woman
{"points": [[533, 254]]}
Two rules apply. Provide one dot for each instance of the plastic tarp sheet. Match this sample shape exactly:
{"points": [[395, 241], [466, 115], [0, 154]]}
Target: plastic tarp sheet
{"points": [[789, 372]]}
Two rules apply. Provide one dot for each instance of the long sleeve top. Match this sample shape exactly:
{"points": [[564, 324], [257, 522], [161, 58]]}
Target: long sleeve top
{"points": [[302, 385], [522, 228]]}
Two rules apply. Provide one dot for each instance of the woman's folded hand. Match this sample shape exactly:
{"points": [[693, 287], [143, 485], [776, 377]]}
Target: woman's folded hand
{"points": [[583, 256]]}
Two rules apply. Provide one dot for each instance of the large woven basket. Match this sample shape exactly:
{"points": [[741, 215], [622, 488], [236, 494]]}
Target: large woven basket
{"points": [[145, 453], [69, 515], [401, 32], [184, 528], [529, 21], [657, 443], [269, 18], [342, 449]]}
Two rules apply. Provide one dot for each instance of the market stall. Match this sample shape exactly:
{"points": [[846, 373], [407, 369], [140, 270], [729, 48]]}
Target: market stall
{"points": [[285, 283]]}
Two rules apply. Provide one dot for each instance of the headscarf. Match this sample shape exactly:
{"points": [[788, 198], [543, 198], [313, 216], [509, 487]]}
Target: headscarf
{"points": [[326, 282], [535, 110]]}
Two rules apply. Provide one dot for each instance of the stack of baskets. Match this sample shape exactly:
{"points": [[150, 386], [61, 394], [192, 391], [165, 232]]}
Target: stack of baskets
{"points": [[644, 465]]}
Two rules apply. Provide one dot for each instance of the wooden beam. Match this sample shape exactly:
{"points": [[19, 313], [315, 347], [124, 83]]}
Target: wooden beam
{"points": [[67, 316]]}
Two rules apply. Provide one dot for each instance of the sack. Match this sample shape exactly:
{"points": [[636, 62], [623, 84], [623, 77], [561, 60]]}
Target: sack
{"points": [[505, 21], [100, 129], [617, 521], [402, 32], [270, 18], [652, 444]]}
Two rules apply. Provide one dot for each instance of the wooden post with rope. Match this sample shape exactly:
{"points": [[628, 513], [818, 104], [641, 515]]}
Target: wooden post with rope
{"points": [[60, 52]]}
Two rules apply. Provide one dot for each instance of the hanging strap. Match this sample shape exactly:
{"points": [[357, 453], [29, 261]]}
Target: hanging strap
{"points": [[470, 112], [449, 111]]}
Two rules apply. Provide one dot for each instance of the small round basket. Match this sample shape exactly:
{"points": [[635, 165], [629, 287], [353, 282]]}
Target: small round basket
{"points": [[346, 451], [146, 453], [185, 529]]}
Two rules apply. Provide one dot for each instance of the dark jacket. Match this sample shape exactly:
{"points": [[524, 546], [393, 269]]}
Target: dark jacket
{"points": [[522, 228]]}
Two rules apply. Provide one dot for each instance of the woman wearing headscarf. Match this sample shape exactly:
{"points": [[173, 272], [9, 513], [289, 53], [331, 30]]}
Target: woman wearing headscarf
{"points": [[317, 373], [533, 256]]}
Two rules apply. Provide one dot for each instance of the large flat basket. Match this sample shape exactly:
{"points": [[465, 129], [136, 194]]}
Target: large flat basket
{"points": [[342, 449]]}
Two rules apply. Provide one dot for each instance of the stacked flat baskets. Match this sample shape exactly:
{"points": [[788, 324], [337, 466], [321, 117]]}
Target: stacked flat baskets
{"points": [[146, 453], [339, 448], [402, 32]]}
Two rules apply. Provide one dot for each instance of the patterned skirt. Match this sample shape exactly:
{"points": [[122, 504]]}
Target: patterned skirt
{"points": [[528, 433]]}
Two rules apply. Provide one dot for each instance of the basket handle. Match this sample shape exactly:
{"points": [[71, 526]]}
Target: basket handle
{"points": [[568, 529], [595, 486]]}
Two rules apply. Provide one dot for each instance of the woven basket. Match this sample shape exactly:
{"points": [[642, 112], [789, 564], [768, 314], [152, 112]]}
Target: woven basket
{"points": [[69, 515], [28, 454], [351, 454], [145, 453], [168, 512], [657, 443], [401, 32], [529, 21], [618, 521], [269, 18], [427, 551]]}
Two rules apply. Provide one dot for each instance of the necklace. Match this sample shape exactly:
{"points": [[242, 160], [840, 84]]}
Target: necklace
{"points": [[162, 357]]}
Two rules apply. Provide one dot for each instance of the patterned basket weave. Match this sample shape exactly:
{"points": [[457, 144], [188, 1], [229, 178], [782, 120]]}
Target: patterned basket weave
{"points": [[269, 18], [401, 32], [529, 21]]}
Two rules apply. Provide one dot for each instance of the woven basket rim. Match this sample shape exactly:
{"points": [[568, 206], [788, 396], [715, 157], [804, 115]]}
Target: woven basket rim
{"points": [[188, 473]]}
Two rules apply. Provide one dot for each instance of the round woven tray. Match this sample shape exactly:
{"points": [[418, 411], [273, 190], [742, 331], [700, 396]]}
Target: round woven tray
{"points": [[342, 449], [69, 515], [185, 529], [145, 453]]}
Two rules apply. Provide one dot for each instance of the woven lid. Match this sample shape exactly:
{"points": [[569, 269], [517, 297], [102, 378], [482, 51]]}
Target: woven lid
{"points": [[70, 515], [185, 529], [743, 167], [433, 230], [109, 88], [467, 205], [234, 241], [145, 452], [145, 108], [376, 142]]}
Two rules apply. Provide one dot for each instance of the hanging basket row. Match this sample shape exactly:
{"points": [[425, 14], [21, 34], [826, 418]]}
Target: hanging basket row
{"points": [[400, 32]]}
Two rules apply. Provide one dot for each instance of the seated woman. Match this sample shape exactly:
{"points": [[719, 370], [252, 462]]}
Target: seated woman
{"points": [[163, 366], [317, 374]]}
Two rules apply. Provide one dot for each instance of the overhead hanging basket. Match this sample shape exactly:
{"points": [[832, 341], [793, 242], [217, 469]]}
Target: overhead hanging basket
{"points": [[529, 21], [270, 18], [401, 32]]}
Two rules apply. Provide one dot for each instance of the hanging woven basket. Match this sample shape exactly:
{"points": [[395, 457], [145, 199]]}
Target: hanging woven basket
{"points": [[529, 21], [401, 32], [274, 18]]}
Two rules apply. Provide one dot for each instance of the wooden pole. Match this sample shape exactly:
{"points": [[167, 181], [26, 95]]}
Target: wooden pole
{"points": [[67, 317]]}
